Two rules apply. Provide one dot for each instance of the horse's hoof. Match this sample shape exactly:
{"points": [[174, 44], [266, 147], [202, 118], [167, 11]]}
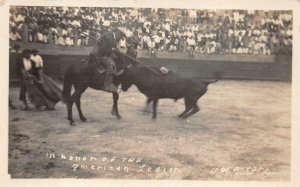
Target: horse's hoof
{"points": [[146, 110], [49, 109], [119, 117], [72, 123], [113, 112], [38, 107], [26, 108], [83, 119]]}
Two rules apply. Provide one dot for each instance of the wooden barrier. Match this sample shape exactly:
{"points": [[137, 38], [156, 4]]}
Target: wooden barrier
{"points": [[278, 70], [273, 71]]}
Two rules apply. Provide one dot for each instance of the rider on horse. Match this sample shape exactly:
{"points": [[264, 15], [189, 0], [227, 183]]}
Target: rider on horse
{"points": [[103, 53]]}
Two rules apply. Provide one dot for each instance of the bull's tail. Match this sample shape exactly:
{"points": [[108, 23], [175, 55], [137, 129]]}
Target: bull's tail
{"points": [[67, 87], [217, 76]]}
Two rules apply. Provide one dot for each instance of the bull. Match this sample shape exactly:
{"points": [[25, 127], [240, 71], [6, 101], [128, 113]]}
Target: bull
{"points": [[170, 85]]}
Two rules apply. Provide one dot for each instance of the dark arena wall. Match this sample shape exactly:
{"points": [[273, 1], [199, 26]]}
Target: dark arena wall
{"points": [[241, 67]]}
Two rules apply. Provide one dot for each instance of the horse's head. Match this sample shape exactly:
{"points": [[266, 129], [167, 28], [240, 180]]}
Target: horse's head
{"points": [[128, 62], [123, 60], [131, 51], [125, 63]]}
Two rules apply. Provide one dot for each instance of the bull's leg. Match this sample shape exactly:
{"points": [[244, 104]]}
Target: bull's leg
{"points": [[155, 101], [194, 106], [191, 112], [115, 110], [188, 107]]}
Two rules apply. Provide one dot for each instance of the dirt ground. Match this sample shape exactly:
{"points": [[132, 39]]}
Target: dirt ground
{"points": [[242, 132]]}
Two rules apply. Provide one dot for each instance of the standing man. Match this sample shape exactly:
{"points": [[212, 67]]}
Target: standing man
{"points": [[38, 61], [25, 64]]}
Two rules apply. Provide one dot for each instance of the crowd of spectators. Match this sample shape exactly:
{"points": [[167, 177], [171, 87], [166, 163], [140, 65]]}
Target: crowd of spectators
{"points": [[173, 30]]}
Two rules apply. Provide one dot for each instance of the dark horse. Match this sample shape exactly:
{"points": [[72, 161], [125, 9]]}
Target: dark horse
{"points": [[171, 86], [84, 75]]}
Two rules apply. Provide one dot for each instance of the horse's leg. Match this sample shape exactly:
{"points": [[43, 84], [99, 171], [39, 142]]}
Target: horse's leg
{"points": [[113, 106], [115, 110], [148, 101], [155, 101], [79, 92], [70, 102]]}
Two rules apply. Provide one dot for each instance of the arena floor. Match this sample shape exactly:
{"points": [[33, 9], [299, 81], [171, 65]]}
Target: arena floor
{"points": [[242, 132]]}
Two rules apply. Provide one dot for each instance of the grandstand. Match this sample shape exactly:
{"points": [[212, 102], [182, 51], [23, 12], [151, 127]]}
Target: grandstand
{"points": [[173, 30], [243, 44]]}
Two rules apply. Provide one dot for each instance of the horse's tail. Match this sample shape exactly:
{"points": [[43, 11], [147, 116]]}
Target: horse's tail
{"points": [[67, 84]]}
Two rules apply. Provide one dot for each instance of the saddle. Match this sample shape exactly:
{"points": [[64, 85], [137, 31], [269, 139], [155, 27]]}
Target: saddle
{"points": [[108, 66]]}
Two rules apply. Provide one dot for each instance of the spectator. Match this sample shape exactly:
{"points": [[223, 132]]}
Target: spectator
{"points": [[139, 24], [192, 44], [151, 47], [14, 35], [32, 30], [68, 41], [24, 31], [60, 39], [122, 43], [37, 59], [135, 39], [39, 37]]}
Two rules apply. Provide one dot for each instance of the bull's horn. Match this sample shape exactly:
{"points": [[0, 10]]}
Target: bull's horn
{"points": [[120, 72]]}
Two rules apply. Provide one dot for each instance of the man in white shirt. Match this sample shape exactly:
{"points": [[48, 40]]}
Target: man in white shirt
{"points": [[76, 23], [14, 35], [106, 23], [19, 18], [40, 37], [167, 26], [157, 40], [16, 49], [192, 44], [146, 39], [25, 64], [151, 47], [37, 59]]}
